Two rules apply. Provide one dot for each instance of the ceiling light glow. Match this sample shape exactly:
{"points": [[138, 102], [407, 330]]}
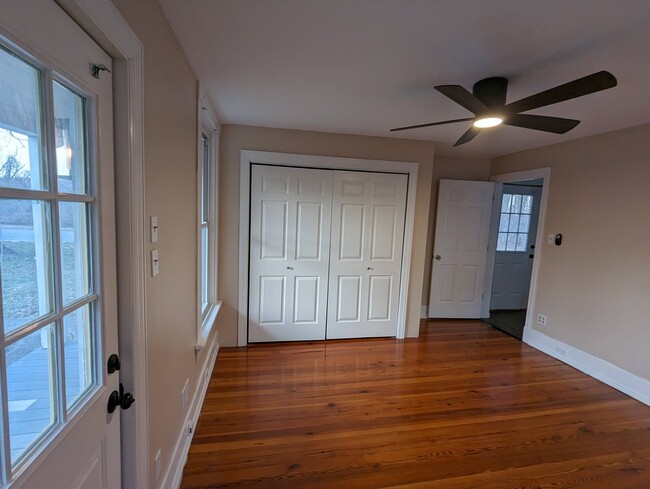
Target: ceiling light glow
{"points": [[484, 122]]}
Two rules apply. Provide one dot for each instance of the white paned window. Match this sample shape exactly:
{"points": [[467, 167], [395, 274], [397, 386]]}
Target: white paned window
{"points": [[208, 178], [514, 223], [49, 303]]}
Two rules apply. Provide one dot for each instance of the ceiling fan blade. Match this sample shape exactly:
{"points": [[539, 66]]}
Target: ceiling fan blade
{"points": [[576, 88], [470, 134], [432, 124], [462, 97], [544, 123]]}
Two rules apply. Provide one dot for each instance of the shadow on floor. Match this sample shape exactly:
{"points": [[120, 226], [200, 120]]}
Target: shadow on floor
{"points": [[509, 321]]}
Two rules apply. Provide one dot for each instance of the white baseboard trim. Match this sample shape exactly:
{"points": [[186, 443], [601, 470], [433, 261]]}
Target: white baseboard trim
{"points": [[174, 475], [610, 374], [424, 311]]}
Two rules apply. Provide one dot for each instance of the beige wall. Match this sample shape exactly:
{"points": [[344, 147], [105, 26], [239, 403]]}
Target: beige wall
{"points": [[595, 287], [170, 124], [450, 168], [236, 138]]}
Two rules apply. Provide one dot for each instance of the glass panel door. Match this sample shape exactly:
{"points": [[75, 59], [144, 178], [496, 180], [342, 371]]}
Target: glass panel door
{"points": [[49, 301]]}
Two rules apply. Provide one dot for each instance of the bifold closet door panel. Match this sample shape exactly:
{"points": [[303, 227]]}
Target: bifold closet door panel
{"points": [[368, 213], [289, 253]]}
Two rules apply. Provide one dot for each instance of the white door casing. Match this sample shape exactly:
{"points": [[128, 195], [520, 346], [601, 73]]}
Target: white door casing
{"points": [[84, 451], [460, 248], [545, 175], [513, 269], [365, 254], [248, 158], [289, 253]]}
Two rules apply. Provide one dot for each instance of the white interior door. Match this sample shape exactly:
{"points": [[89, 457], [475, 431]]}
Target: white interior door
{"points": [[289, 253], [513, 265], [57, 242], [460, 248], [365, 255]]}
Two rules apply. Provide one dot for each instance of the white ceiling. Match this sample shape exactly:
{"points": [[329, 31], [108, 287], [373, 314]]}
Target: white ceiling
{"points": [[365, 66]]}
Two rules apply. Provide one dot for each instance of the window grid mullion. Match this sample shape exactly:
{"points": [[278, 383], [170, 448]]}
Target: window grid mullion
{"points": [[58, 343], [51, 318]]}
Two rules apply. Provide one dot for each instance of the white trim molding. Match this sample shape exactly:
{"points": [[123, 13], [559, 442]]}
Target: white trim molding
{"points": [[174, 473], [622, 380], [103, 22], [334, 163], [207, 125]]}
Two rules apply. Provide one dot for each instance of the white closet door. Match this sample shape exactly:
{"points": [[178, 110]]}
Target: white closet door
{"points": [[289, 253], [365, 254]]}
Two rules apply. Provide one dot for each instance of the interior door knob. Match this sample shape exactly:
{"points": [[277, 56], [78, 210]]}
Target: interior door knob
{"points": [[121, 399], [438, 257], [289, 268]]}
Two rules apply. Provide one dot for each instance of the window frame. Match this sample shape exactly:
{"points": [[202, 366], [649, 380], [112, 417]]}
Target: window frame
{"points": [[517, 232], [207, 130]]}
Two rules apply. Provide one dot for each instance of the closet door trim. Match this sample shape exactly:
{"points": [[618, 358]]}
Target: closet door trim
{"points": [[248, 158]]}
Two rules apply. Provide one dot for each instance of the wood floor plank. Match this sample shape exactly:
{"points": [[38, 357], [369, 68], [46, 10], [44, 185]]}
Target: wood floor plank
{"points": [[463, 406]]}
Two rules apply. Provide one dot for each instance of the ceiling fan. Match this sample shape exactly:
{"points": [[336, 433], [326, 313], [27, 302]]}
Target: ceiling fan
{"points": [[488, 104]]}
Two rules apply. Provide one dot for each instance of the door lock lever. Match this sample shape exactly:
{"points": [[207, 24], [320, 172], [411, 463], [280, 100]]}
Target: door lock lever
{"points": [[113, 364]]}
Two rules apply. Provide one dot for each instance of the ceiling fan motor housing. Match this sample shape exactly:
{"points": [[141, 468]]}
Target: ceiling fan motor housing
{"points": [[491, 91]]}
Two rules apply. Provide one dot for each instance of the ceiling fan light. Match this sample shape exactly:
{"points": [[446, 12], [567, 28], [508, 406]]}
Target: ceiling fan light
{"points": [[484, 122]]}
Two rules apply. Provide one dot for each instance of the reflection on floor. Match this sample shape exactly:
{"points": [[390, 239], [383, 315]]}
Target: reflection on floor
{"points": [[508, 321]]}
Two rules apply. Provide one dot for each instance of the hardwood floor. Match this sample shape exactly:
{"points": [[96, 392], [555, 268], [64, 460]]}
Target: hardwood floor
{"points": [[464, 406]]}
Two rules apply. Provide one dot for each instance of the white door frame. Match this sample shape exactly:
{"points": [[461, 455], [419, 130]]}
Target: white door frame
{"points": [[545, 174], [103, 22], [329, 162]]}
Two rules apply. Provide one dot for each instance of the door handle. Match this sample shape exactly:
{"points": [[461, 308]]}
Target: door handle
{"points": [[289, 268], [122, 399], [438, 257], [370, 268]]}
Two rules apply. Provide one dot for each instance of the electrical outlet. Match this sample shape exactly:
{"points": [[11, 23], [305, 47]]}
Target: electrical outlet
{"points": [[541, 319], [156, 464], [184, 395], [189, 430]]}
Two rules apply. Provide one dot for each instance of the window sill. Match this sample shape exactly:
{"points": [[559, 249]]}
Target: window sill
{"points": [[207, 326]]}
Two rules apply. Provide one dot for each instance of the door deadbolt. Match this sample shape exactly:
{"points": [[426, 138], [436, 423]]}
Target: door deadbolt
{"points": [[113, 364]]}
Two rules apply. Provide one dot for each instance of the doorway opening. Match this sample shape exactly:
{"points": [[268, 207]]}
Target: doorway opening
{"points": [[514, 246]]}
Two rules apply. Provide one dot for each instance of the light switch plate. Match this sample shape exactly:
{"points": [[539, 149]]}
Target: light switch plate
{"points": [[154, 229], [550, 239], [155, 269]]}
